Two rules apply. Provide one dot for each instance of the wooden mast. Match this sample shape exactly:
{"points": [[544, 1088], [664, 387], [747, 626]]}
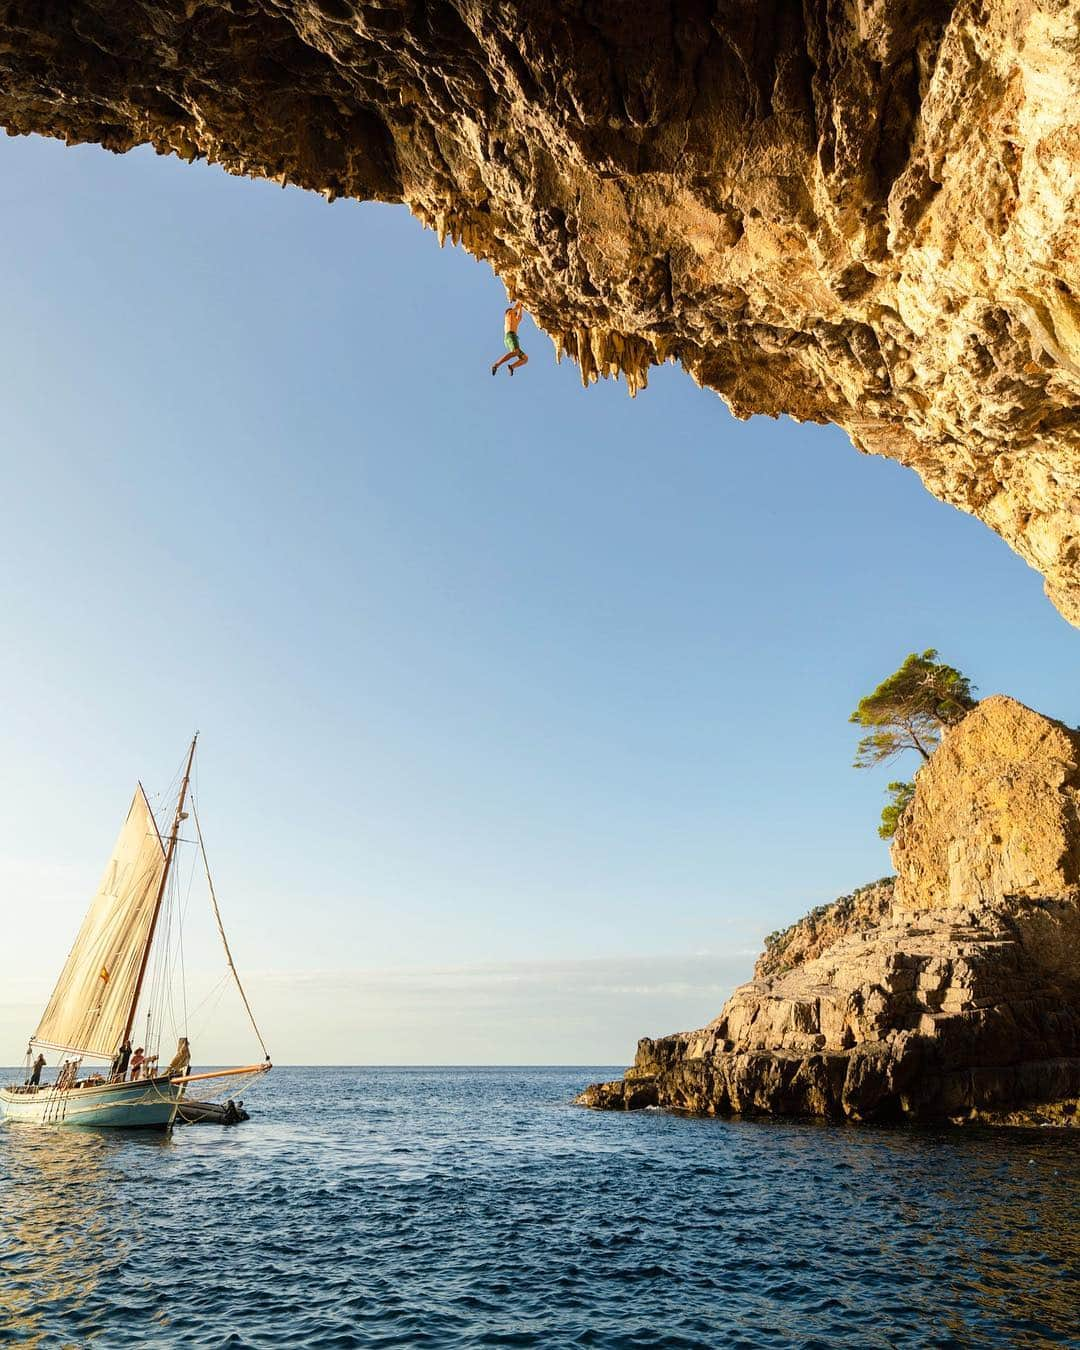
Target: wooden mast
{"points": [[170, 850]]}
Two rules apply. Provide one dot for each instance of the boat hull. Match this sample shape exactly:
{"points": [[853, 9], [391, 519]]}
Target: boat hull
{"points": [[149, 1104], [195, 1112]]}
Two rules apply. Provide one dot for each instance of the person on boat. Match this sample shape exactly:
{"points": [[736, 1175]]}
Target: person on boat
{"points": [[38, 1065], [181, 1061], [514, 354], [137, 1061], [120, 1062]]}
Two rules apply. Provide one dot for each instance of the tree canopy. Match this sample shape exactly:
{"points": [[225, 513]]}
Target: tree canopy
{"points": [[908, 710]]}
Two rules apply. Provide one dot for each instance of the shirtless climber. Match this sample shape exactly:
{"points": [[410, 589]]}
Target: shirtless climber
{"points": [[514, 354]]}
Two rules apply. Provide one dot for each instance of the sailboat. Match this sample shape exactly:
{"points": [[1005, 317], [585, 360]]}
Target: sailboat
{"points": [[92, 1012]]}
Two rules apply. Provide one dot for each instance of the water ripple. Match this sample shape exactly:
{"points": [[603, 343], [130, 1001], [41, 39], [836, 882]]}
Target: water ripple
{"points": [[468, 1208]]}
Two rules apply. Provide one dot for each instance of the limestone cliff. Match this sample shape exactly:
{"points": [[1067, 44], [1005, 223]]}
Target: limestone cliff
{"points": [[817, 931], [954, 992], [1009, 789], [862, 213]]}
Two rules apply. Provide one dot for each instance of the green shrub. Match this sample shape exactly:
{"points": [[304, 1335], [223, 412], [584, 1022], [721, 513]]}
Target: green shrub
{"points": [[902, 794]]}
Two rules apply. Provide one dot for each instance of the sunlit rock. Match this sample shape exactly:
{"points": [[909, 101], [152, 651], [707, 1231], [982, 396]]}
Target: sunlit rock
{"points": [[863, 214], [953, 993]]}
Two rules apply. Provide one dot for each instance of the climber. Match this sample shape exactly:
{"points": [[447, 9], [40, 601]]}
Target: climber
{"points": [[510, 339]]}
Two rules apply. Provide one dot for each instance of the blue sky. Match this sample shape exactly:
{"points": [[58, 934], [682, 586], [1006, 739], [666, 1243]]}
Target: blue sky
{"points": [[501, 681]]}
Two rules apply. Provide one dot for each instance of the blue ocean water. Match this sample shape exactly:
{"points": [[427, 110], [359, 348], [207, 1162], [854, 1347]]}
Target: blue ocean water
{"points": [[479, 1207]]}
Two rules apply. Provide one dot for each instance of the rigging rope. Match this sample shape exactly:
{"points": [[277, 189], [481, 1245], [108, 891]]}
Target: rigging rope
{"points": [[181, 919], [215, 990], [221, 929]]}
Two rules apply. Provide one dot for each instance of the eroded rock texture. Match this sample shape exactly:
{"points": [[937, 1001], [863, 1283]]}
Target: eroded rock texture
{"points": [[861, 213], [1009, 788], [954, 993]]}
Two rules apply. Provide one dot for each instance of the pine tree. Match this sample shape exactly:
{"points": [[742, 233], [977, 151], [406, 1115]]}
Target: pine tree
{"points": [[908, 710]]}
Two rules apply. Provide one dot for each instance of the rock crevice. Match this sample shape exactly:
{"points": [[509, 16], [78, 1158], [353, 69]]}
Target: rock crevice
{"points": [[866, 214]]}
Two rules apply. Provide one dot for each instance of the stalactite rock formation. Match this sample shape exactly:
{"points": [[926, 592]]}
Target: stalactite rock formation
{"points": [[863, 214], [951, 993]]}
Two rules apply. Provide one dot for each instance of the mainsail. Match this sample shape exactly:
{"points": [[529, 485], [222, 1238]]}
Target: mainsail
{"points": [[91, 1004]]}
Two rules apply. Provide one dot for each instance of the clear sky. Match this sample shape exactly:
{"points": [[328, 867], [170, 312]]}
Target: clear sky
{"points": [[523, 707]]}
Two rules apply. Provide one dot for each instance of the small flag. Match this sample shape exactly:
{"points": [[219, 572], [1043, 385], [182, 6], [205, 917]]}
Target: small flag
{"points": [[104, 974]]}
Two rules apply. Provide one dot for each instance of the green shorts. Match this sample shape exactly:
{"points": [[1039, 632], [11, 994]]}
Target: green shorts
{"points": [[510, 341]]}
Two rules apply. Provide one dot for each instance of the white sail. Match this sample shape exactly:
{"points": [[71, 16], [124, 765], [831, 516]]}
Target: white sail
{"points": [[90, 1005]]}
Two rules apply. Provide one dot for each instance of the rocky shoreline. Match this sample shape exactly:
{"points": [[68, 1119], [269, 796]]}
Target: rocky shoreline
{"points": [[949, 993]]}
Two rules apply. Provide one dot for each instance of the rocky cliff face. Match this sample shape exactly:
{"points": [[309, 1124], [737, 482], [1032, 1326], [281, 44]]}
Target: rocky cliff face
{"points": [[824, 926], [862, 213], [954, 992], [1008, 787]]}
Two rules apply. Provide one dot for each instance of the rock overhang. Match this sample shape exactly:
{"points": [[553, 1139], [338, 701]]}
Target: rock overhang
{"points": [[865, 215]]}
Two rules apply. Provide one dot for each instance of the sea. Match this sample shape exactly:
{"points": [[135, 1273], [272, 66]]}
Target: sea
{"points": [[480, 1207]]}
